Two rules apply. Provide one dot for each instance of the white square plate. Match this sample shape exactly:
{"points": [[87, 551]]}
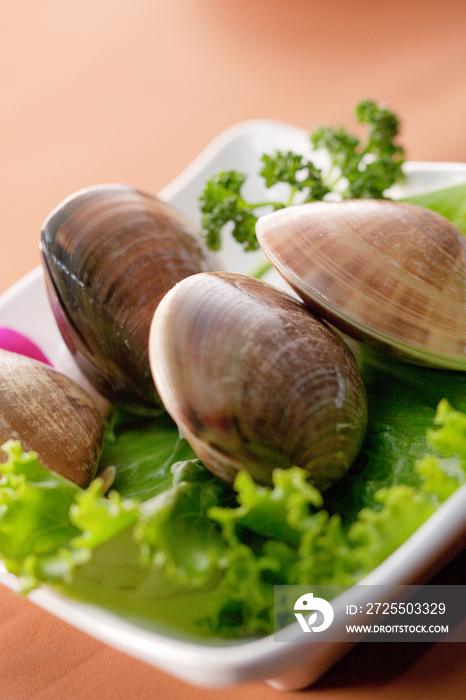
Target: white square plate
{"points": [[25, 308]]}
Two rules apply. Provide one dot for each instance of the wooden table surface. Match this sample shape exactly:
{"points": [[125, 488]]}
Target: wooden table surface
{"points": [[131, 91]]}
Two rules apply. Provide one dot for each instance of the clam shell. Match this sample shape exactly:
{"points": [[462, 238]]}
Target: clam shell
{"points": [[51, 415], [255, 381], [388, 272], [110, 253]]}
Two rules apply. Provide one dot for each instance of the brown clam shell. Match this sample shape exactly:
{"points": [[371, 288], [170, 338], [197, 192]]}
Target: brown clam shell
{"points": [[388, 272], [255, 381], [50, 414], [110, 253]]}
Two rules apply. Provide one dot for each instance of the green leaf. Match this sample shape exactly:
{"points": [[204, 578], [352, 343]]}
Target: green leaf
{"points": [[383, 128], [276, 513], [440, 478], [34, 522], [221, 202], [450, 438], [340, 145], [282, 167], [377, 534], [449, 201], [100, 519], [143, 451], [196, 558], [368, 170], [296, 171], [174, 532], [403, 400]]}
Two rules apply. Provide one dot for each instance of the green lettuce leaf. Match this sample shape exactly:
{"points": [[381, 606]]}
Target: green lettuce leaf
{"points": [[403, 400], [202, 558], [48, 525], [449, 201], [35, 527], [143, 451], [175, 533]]}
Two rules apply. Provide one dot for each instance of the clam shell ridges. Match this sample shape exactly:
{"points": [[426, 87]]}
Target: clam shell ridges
{"points": [[389, 271], [255, 381], [50, 414], [111, 253]]}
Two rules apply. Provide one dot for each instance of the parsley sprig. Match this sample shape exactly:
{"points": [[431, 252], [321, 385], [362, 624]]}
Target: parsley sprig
{"points": [[356, 170]]}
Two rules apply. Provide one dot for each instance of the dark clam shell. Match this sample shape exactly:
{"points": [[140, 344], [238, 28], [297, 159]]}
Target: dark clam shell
{"points": [[110, 253]]}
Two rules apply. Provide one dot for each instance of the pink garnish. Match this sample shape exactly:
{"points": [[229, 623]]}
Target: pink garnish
{"points": [[17, 342]]}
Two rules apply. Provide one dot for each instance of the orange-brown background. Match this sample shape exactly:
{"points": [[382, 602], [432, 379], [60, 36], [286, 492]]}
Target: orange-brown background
{"points": [[131, 91]]}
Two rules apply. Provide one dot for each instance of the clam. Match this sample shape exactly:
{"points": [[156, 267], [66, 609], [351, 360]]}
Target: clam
{"points": [[109, 254], [51, 415], [255, 381], [390, 273]]}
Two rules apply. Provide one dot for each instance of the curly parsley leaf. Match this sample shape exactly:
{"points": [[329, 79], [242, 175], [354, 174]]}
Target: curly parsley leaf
{"points": [[370, 169], [340, 145], [221, 202], [357, 170], [296, 171]]}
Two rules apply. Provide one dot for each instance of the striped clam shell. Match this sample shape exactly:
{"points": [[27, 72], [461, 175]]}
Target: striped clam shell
{"points": [[255, 381], [390, 273]]}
